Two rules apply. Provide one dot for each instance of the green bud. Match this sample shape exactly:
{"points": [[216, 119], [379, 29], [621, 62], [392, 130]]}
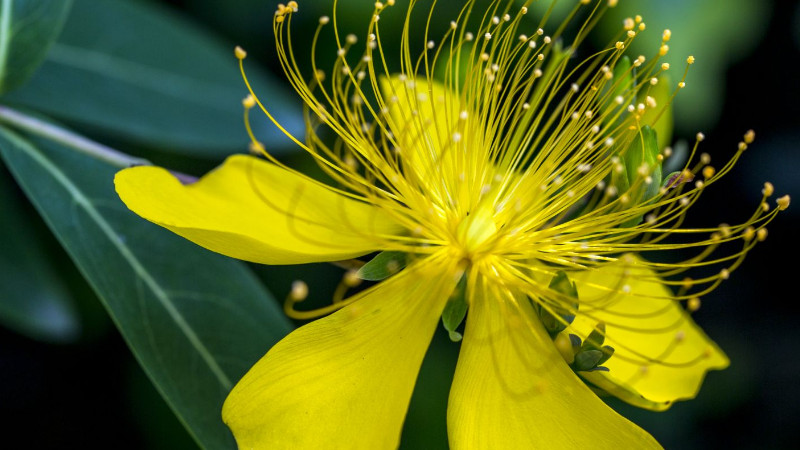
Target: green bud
{"points": [[382, 266], [456, 310]]}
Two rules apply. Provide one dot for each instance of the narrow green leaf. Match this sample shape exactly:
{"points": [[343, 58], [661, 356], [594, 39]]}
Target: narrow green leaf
{"points": [[562, 285], [27, 29], [34, 300], [138, 71], [195, 320], [662, 94], [382, 266], [456, 310], [643, 154]]}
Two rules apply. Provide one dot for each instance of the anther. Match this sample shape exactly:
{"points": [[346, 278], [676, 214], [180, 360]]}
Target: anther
{"points": [[693, 304], [619, 45], [453, 24], [708, 172], [468, 36], [351, 278], [768, 189], [761, 234], [680, 336], [724, 274], [700, 137], [239, 52], [665, 66], [690, 60], [628, 23], [783, 202], [749, 137], [666, 35], [249, 102], [324, 20], [256, 148], [299, 291]]}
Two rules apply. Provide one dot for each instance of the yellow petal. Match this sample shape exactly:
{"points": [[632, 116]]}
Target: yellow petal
{"points": [[661, 355], [256, 211], [344, 381], [513, 390]]}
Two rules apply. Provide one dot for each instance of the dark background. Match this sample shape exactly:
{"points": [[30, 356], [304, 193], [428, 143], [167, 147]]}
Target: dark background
{"points": [[91, 393]]}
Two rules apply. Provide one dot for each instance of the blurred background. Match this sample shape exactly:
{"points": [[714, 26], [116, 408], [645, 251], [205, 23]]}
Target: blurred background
{"points": [[69, 380]]}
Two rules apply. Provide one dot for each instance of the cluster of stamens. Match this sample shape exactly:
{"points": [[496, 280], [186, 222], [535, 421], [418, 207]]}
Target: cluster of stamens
{"points": [[512, 162]]}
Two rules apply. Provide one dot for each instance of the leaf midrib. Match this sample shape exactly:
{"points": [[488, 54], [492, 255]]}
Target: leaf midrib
{"points": [[160, 294]]}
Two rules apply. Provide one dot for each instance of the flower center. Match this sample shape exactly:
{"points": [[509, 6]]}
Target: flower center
{"points": [[475, 229]]}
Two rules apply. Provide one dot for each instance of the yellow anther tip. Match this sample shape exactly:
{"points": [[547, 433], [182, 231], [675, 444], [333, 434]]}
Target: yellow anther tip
{"points": [[690, 60], [693, 304], [239, 52], [351, 278], [299, 291], [783, 202], [761, 234], [749, 137], [768, 189], [248, 102]]}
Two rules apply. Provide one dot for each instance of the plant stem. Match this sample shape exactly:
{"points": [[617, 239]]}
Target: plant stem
{"points": [[65, 137]]}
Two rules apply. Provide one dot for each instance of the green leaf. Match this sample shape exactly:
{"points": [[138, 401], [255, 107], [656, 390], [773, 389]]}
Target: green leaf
{"points": [[456, 310], [659, 118], [587, 359], [623, 78], [644, 151], [34, 300], [196, 321], [27, 29], [560, 284], [595, 338], [132, 70], [382, 266]]}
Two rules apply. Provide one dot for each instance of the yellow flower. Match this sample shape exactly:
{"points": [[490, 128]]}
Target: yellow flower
{"points": [[523, 188]]}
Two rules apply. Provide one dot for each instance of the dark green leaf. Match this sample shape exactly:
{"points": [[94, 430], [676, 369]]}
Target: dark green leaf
{"points": [[643, 151], [562, 285], [662, 94], [27, 29], [137, 71], [195, 320], [587, 359], [623, 78], [382, 266], [595, 338], [34, 301], [456, 310]]}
